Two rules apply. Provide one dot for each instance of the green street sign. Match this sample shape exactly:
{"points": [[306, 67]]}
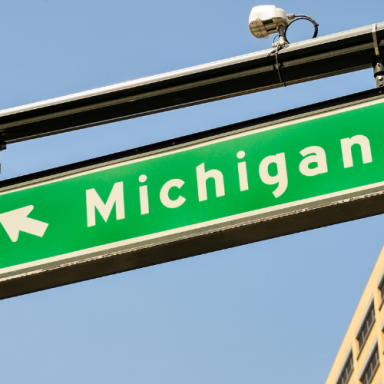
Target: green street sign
{"points": [[200, 194]]}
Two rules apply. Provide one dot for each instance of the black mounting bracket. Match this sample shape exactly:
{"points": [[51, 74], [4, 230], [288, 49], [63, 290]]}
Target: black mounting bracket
{"points": [[378, 63], [3, 146], [378, 72]]}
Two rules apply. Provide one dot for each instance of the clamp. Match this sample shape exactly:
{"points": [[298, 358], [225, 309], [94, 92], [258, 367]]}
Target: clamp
{"points": [[378, 63]]}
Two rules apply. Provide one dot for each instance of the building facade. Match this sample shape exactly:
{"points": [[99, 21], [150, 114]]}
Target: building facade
{"points": [[360, 359]]}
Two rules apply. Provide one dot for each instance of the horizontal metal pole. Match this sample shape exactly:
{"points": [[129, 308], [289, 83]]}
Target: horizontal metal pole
{"points": [[343, 211], [300, 62]]}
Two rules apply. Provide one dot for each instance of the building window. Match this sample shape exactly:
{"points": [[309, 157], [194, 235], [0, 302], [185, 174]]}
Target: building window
{"points": [[366, 326], [346, 371], [382, 291], [371, 366]]}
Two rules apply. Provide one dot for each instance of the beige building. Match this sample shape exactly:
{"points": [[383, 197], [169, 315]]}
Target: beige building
{"points": [[360, 358]]}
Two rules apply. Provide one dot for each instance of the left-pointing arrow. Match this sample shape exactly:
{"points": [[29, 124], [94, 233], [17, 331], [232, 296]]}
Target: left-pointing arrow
{"points": [[17, 221]]}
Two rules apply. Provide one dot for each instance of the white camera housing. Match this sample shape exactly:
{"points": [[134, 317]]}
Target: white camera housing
{"points": [[265, 20]]}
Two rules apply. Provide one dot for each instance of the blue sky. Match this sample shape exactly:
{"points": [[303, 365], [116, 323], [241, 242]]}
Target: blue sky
{"points": [[267, 312]]}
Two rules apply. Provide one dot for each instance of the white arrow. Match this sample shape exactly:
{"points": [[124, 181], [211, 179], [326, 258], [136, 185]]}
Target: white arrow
{"points": [[17, 221]]}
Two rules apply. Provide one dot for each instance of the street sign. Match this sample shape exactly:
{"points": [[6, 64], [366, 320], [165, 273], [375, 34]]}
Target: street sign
{"points": [[259, 179]]}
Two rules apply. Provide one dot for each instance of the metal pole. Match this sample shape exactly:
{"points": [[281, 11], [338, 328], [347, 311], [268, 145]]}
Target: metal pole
{"points": [[308, 60]]}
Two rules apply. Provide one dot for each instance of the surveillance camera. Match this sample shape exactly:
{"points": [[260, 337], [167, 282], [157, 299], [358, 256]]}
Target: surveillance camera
{"points": [[265, 20]]}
